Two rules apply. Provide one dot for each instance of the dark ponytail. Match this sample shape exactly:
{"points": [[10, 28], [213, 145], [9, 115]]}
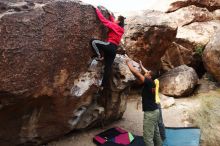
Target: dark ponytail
{"points": [[121, 20]]}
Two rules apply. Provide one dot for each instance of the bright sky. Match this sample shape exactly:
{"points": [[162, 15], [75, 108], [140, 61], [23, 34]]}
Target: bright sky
{"points": [[131, 5]]}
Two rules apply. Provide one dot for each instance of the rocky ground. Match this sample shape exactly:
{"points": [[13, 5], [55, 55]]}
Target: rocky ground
{"points": [[175, 116]]}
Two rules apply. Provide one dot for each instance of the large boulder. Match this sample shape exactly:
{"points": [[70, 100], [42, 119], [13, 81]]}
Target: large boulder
{"points": [[177, 55], [147, 38], [196, 26], [190, 14], [179, 81], [187, 49], [211, 56], [48, 82], [150, 37], [109, 105], [200, 32], [209, 4]]}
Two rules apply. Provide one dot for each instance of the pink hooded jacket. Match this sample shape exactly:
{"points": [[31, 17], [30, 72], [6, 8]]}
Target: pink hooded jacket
{"points": [[115, 31]]}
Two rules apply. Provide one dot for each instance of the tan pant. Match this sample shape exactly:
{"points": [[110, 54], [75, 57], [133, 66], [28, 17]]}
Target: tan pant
{"points": [[150, 128]]}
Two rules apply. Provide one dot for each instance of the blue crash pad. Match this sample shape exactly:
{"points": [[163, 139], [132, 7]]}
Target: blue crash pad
{"points": [[182, 137]]}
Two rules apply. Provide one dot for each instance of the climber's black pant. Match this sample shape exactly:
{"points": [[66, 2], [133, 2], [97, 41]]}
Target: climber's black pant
{"points": [[109, 50]]}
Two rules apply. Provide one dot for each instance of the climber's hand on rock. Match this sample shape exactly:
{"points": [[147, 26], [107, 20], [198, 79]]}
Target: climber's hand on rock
{"points": [[101, 8]]}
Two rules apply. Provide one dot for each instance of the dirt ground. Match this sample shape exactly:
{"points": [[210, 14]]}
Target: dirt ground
{"points": [[175, 116]]}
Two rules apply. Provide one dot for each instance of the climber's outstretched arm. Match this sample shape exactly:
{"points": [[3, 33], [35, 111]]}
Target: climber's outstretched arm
{"points": [[142, 67], [135, 72]]}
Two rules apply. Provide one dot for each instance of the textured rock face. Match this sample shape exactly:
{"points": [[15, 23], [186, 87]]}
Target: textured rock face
{"points": [[201, 32], [209, 4], [179, 81], [196, 26], [36, 42], [166, 101], [211, 56], [190, 14], [187, 49], [205, 85], [177, 55], [147, 42], [47, 88], [114, 99]]}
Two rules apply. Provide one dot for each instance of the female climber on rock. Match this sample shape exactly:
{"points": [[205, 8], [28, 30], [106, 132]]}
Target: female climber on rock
{"points": [[108, 47]]}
